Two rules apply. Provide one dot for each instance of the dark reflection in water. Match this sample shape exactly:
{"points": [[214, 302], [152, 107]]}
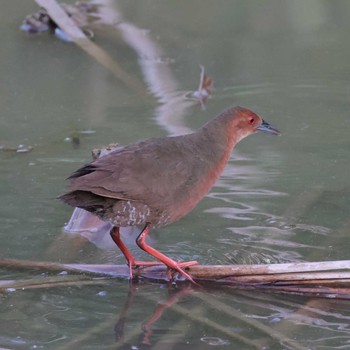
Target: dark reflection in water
{"points": [[157, 316]]}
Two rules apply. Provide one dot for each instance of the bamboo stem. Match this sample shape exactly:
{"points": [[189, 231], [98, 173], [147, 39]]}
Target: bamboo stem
{"points": [[222, 271], [318, 278]]}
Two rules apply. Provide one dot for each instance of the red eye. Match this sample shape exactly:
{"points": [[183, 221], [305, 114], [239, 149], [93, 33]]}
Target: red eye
{"points": [[251, 120]]}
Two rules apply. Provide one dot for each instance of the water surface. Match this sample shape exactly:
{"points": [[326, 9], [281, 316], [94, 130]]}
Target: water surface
{"points": [[280, 199]]}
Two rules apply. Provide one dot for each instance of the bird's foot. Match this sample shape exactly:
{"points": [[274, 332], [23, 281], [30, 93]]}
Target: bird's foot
{"points": [[172, 267], [178, 267], [187, 263]]}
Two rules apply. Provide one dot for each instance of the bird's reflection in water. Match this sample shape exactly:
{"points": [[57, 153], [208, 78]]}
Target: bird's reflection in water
{"points": [[272, 318], [145, 338]]}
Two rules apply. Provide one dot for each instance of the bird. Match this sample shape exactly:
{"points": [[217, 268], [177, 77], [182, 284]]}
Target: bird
{"points": [[155, 182]]}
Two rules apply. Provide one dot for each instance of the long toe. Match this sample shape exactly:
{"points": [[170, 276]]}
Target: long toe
{"points": [[183, 272], [187, 263]]}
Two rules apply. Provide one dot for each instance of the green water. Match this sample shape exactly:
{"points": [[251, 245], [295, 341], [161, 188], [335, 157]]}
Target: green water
{"points": [[280, 199]]}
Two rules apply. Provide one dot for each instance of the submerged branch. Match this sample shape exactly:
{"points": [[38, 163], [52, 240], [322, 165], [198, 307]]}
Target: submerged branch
{"points": [[50, 282], [327, 279]]}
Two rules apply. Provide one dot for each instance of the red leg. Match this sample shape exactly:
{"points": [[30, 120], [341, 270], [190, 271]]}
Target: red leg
{"points": [[141, 242], [131, 261]]}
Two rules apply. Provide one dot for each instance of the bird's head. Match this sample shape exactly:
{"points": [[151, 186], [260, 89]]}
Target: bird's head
{"points": [[248, 122]]}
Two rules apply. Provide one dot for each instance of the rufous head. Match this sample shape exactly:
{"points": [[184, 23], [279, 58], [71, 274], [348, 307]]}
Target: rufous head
{"points": [[248, 122]]}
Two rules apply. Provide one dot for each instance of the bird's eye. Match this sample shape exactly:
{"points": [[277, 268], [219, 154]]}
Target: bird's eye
{"points": [[251, 120]]}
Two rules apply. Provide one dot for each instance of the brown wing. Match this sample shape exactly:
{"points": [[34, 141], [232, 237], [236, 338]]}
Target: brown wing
{"points": [[152, 171]]}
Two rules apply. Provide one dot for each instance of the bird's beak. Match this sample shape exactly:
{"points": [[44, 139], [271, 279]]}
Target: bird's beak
{"points": [[266, 127]]}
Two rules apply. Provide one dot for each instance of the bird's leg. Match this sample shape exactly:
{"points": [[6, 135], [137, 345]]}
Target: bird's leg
{"points": [[115, 234], [141, 242], [131, 261]]}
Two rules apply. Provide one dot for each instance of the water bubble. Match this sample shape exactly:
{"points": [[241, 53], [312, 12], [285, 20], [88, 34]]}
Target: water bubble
{"points": [[215, 341], [275, 320]]}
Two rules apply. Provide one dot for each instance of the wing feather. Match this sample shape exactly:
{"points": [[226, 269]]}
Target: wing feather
{"points": [[147, 171]]}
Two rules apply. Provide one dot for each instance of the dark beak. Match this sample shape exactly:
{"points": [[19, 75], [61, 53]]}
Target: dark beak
{"points": [[266, 127]]}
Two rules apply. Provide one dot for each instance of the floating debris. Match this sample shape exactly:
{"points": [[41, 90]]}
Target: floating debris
{"points": [[37, 22], [18, 149], [97, 153], [74, 139], [204, 88], [215, 341], [82, 13], [103, 293], [60, 34], [87, 132]]}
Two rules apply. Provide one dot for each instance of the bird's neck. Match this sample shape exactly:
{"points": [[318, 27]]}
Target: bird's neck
{"points": [[219, 138], [221, 135], [221, 153], [212, 145]]}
